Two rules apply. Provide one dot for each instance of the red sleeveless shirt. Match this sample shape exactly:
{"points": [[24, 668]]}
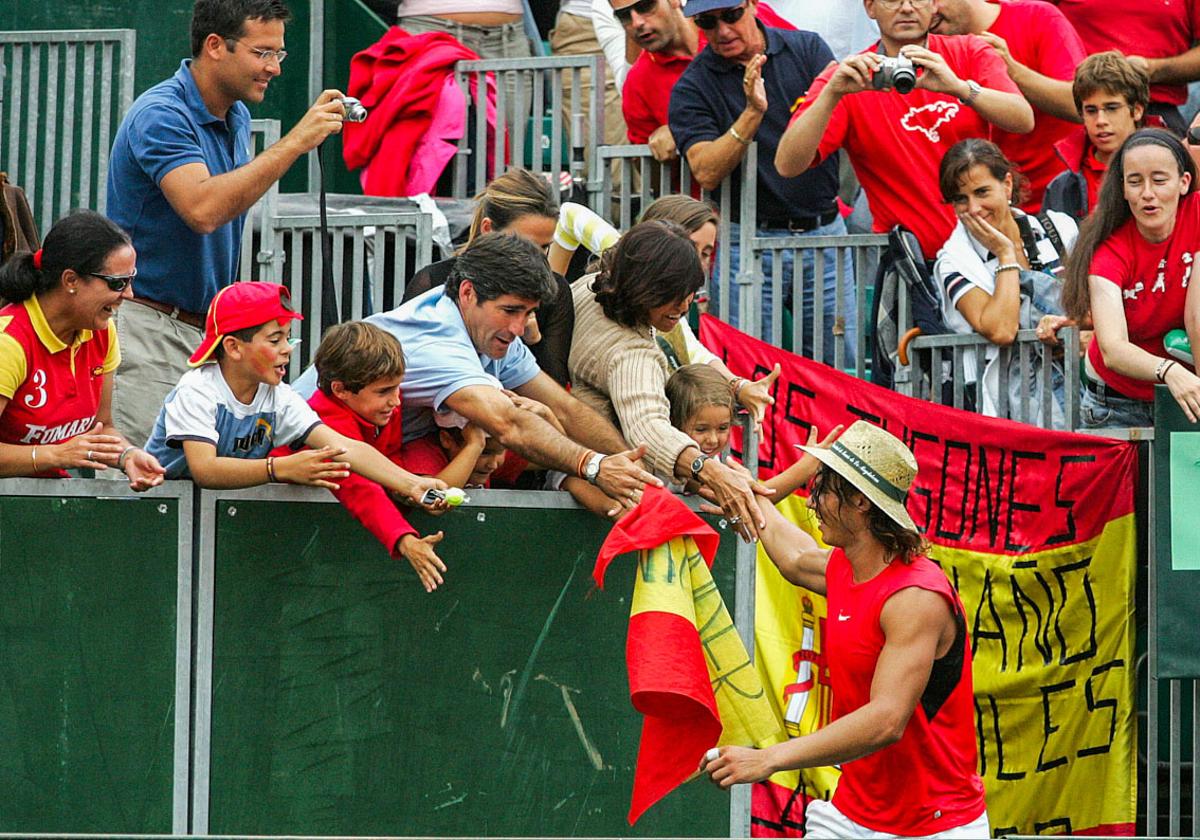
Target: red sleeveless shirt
{"points": [[927, 781]]}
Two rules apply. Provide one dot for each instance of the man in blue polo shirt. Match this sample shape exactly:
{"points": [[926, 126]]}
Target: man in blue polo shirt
{"points": [[461, 339], [180, 181], [740, 89]]}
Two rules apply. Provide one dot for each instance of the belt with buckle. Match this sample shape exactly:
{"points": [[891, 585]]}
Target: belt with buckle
{"points": [[181, 315], [800, 224]]}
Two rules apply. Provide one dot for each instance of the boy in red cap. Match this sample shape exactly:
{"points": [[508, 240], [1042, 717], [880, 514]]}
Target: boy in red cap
{"points": [[220, 423]]}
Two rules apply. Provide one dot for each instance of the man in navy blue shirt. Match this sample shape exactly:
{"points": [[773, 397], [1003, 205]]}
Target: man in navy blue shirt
{"points": [[180, 181], [741, 89]]}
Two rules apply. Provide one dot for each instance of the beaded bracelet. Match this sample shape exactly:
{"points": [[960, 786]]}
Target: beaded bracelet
{"points": [[1008, 267]]}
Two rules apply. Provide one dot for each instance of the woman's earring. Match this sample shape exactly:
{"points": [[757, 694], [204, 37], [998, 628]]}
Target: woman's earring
{"points": [[72, 291]]}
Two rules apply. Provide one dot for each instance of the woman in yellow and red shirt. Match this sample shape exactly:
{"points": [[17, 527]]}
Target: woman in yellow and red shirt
{"points": [[58, 351]]}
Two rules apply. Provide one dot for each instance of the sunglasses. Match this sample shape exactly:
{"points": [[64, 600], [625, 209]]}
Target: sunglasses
{"points": [[643, 7], [116, 282], [730, 16]]}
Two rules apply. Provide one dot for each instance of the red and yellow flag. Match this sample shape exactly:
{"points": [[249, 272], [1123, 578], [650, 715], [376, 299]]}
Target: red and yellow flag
{"points": [[689, 672]]}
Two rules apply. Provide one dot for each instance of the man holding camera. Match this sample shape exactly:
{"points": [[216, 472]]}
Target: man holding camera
{"points": [[180, 181], [924, 93]]}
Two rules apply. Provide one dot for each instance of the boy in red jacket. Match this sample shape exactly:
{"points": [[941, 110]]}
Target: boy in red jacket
{"points": [[359, 369]]}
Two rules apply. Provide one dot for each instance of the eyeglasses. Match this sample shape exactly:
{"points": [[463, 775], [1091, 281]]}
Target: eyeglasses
{"points": [[642, 7], [894, 5], [116, 282], [267, 56], [730, 16]]}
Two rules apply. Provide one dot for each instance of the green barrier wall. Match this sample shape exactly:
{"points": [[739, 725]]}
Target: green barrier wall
{"points": [[346, 700], [88, 657]]}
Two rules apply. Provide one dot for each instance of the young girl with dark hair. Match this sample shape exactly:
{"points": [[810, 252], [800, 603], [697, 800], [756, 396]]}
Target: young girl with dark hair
{"points": [[1131, 268]]}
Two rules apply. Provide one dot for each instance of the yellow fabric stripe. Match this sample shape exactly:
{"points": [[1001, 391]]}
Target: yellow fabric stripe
{"points": [[673, 578]]}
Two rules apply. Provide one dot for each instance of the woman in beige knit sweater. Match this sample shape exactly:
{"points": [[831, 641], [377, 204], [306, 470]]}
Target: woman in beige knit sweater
{"points": [[645, 285]]}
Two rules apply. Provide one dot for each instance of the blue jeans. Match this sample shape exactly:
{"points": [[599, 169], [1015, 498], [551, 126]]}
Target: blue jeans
{"points": [[1109, 409], [849, 307]]}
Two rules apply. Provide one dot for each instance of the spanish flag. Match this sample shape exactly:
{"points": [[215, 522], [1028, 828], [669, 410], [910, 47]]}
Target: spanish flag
{"points": [[689, 673]]}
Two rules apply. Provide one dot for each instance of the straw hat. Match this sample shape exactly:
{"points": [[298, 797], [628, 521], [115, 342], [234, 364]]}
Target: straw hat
{"points": [[877, 463]]}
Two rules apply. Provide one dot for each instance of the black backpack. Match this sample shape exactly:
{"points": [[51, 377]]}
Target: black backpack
{"points": [[902, 263]]}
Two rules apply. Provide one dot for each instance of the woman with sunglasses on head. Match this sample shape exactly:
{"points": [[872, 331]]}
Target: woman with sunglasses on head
{"points": [[1131, 269], [58, 351]]}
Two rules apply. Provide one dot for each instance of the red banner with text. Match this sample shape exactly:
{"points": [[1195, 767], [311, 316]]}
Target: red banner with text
{"points": [[1035, 529]]}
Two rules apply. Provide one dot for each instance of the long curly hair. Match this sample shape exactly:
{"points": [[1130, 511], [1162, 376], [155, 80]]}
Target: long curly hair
{"points": [[654, 264]]}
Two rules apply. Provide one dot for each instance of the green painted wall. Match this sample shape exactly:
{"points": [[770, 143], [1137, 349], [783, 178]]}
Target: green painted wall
{"points": [[349, 701], [87, 664]]}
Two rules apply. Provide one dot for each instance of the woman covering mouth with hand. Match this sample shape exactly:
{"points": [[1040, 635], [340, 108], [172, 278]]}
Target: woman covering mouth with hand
{"points": [[58, 351]]}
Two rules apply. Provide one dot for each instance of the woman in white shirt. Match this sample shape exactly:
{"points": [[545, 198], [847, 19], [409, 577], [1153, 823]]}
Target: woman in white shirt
{"points": [[1000, 270]]}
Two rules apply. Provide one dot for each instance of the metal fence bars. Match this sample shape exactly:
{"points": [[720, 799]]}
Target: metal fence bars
{"points": [[373, 255], [811, 333], [522, 138], [741, 271], [950, 369], [257, 263], [62, 96]]}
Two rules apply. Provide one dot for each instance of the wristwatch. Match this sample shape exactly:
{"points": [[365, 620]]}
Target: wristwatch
{"points": [[698, 465], [591, 470], [974, 89]]}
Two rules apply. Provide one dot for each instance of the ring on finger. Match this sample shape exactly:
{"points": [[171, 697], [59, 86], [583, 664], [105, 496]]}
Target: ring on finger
{"points": [[733, 520], [90, 455]]}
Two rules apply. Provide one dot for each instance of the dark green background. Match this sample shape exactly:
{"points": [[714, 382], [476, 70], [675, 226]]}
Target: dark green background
{"points": [[349, 701], [87, 664], [163, 41], [1178, 642]]}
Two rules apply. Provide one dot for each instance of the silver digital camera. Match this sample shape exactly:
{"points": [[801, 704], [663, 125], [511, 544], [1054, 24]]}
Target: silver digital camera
{"points": [[896, 73], [354, 110]]}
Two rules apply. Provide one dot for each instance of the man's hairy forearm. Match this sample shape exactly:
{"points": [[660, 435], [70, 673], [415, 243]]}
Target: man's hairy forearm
{"points": [[585, 425], [534, 439]]}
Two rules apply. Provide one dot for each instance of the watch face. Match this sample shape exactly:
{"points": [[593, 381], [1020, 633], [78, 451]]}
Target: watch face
{"points": [[698, 465]]}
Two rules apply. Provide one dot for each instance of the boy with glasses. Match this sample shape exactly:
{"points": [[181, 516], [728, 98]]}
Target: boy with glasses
{"points": [[180, 181], [1112, 96]]}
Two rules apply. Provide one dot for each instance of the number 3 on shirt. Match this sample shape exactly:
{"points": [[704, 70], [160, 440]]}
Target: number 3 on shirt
{"points": [[38, 398]]}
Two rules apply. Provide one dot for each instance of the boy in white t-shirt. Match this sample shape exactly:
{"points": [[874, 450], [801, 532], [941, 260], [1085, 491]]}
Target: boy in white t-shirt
{"points": [[220, 423]]}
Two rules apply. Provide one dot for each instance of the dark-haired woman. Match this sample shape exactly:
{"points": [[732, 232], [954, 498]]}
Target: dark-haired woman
{"points": [[644, 286], [58, 351], [1132, 267], [1000, 270]]}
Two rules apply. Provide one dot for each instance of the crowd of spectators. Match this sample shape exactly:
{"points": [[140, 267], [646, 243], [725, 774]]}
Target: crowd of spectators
{"points": [[1047, 187]]}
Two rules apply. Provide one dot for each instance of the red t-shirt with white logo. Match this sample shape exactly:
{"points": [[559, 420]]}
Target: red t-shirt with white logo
{"points": [[1040, 37], [936, 756], [53, 389], [1161, 29], [1153, 278], [896, 142]]}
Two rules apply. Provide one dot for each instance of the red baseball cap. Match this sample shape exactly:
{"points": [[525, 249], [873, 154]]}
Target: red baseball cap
{"points": [[240, 306]]}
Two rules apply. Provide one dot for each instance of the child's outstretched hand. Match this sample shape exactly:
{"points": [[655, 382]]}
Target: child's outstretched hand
{"points": [[418, 551], [808, 464], [315, 467]]}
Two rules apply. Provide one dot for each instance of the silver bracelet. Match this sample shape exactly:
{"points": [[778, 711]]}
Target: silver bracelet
{"points": [[121, 457], [1008, 267], [733, 130]]}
